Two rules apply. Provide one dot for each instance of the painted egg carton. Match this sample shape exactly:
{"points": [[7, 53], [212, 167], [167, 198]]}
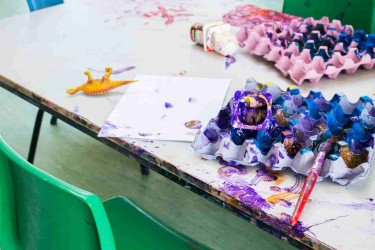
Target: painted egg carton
{"points": [[290, 139], [310, 49]]}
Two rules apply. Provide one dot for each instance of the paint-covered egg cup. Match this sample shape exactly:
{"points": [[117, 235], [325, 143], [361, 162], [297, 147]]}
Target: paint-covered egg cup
{"points": [[263, 125], [252, 110]]}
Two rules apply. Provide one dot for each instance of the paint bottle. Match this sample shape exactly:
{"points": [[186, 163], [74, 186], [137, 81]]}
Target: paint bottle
{"points": [[214, 37]]}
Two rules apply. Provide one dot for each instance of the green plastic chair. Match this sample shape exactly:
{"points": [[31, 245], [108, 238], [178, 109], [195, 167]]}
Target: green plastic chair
{"points": [[39, 211]]}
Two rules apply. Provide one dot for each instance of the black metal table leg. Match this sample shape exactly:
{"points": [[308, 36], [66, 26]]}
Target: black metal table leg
{"points": [[35, 137], [145, 170], [53, 120]]}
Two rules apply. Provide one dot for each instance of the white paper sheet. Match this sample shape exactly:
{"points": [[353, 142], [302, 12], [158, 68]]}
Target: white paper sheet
{"points": [[157, 107]]}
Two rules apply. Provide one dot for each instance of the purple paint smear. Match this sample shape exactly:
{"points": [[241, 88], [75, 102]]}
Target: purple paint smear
{"points": [[295, 189], [168, 105], [228, 171], [145, 134], [115, 72], [246, 194], [108, 126], [75, 109], [283, 224], [358, 206], [106, 129], [229, 61], [325, 221], [262, 175], [192, 100], [285, 203]]}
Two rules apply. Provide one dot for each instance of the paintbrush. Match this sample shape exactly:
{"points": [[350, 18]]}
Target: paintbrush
{"points": [[311, 179]]}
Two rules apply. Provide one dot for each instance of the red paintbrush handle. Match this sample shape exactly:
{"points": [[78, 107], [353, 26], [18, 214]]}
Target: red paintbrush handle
{"points": [[311, 179], [307, 189]]}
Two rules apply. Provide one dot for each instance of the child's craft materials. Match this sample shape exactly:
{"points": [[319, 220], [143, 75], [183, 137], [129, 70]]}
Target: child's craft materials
{"points": [[165, 108], [99, 86], [310, 49], [264, 125], [214, 37], [311, 179]]}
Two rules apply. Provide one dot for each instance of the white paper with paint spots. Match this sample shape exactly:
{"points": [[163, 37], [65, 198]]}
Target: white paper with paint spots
{"points": [[165, 108]]}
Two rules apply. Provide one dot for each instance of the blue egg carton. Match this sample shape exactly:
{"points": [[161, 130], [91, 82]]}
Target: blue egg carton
{"points": [[288, 129]]}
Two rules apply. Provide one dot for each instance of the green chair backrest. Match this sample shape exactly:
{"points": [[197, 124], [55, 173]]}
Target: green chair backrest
{"points": [[359, 13], [38, 211]]}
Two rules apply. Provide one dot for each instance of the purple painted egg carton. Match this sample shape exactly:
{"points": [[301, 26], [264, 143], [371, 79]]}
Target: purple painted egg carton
{"points": [[310, 49], [304, 123]]}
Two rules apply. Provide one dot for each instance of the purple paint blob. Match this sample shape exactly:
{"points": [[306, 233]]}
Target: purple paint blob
{"points": [[233, 163], [141, 151], [229, 61], [226, 145], [272, 160], [222, 162], [212, 135], [192, 100], [224, 117], [254, 160], [253, 151], [168, 105]]}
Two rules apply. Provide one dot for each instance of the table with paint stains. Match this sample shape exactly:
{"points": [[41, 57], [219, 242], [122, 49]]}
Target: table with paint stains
{"points": [[47, 51]]}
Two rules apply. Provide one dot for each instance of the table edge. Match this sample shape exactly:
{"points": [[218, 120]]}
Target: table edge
{"points": [[259, 218]]}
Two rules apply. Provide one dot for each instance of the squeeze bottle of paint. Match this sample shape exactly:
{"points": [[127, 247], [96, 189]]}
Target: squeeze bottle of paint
{"points": [[214, 37]]}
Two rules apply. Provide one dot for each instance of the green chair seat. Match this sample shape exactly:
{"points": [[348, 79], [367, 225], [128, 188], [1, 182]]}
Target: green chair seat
{"points": [[133, 228], [39, 211]]}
